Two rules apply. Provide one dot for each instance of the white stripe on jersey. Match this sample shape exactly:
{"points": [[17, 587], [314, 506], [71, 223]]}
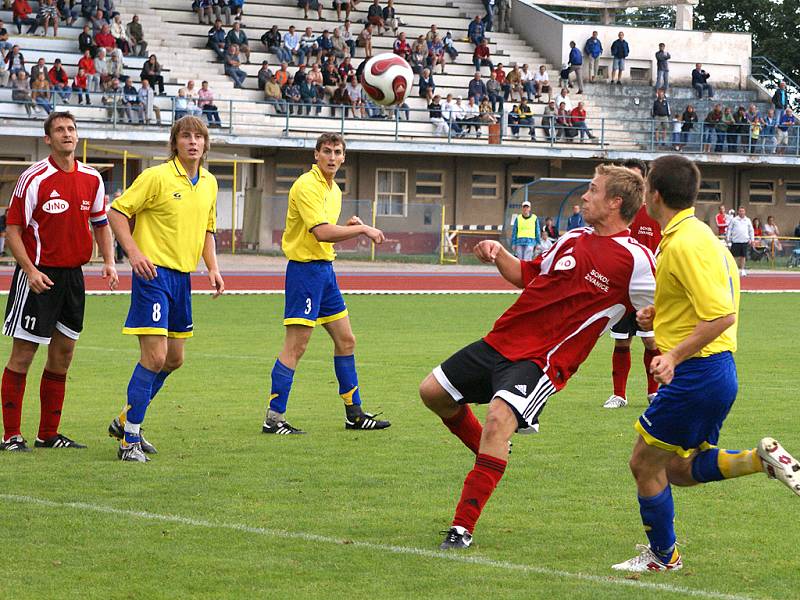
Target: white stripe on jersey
{"points": [[549, 257], [34, 225], [26, 174], [642, 285]]}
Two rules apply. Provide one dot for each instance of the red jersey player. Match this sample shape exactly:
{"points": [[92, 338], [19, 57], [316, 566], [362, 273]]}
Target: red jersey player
{"points": [[49, 235], [647, 232], [571, 294]]}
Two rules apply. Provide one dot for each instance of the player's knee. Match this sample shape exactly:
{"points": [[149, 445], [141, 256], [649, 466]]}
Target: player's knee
{"points": [[429, 391], [346, 345], [172, 363], [153, 359], [501, 422]]}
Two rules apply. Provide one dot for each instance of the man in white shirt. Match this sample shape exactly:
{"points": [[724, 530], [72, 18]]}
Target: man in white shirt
{"points": [[740, 236], [526, 78], [541, 82], [451, 113], [564, 97]]}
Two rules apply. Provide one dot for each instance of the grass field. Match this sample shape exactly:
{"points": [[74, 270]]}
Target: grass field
{"points": [[226, 512]]}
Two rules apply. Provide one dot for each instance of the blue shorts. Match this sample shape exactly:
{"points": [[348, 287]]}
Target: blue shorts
{"points": [[162, 306], [312, 294], [618, 64], [687, 414]]}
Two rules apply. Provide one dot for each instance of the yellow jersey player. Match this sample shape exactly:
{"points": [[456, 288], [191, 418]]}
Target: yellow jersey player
{"points": [[312, 294], [175, 209], [695, 321]]}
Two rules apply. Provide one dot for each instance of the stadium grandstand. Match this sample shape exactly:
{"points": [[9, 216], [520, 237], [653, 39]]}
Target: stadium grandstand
{"points": [[457, 151]]}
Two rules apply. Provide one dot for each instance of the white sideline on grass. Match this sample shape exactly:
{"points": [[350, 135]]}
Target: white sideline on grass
{"points": [[405, 550]]}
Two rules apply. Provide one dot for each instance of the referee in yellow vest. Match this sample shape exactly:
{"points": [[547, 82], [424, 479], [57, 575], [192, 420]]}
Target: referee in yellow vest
{"points": [[525, 233]]}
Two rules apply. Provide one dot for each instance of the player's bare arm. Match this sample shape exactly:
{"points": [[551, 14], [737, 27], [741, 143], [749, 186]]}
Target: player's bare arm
{"points": [[210, 258], [140, 264], [38, 281], [106, 245], [326, 232], [705, 332], [509, 266]]}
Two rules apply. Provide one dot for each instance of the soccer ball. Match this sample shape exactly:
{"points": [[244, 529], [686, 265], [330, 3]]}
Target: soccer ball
{"points": [[387, 78]]}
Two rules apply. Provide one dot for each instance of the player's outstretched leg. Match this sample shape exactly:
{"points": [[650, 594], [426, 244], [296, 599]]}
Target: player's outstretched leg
{"points": [[281, 378], [779, 464], [458, 418], [480, 483]]}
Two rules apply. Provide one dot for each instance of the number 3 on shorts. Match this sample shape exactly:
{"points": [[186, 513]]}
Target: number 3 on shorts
{"points": [[308, 306], [156, 312]]}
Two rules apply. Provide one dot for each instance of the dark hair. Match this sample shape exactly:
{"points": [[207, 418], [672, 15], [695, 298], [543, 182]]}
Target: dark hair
{"points": [[635, 163], [336, 139], [677, 179], [53, 116]]}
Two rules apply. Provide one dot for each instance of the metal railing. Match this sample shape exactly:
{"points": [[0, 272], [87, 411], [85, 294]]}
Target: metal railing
{"points": [[769, 76]]}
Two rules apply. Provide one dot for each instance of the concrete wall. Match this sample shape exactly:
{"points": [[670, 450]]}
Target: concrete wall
{"points": [[726, 56]]}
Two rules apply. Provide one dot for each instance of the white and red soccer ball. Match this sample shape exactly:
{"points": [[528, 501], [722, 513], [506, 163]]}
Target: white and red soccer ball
{"points": [[387, 79]]}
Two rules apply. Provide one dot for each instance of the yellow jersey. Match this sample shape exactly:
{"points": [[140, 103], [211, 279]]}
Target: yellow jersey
{"points": [[172, 215], [311, 202], [696, 280]]}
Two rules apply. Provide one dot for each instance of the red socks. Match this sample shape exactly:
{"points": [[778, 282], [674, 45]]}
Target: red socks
{"points": [[51, 392], [649, 355], [12, 391], [620, 367], [478, 487], [466, 427]]}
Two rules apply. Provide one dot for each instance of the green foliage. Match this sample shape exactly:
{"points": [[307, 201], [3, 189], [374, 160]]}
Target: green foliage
{"points": [[566, 506]]}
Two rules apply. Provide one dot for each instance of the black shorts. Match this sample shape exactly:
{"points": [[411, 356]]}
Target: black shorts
{"points": [[739, 249], [477, 373], [34, 317], [627, 328]]}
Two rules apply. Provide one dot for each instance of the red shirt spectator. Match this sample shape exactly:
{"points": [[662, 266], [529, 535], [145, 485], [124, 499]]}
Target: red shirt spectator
{"points": [[21, 9], [482, 53], [500, 75], [401, 47], [578, 115], [57, 75], [80, 81], [87, 64], [104, 39]]}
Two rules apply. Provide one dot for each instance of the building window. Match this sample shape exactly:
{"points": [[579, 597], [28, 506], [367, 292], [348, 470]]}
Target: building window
{"points": [[390, 192], [285, 176], [762, 192], [430, 184], [710, 191], [517, 181], [793, 192], [484, 185]]}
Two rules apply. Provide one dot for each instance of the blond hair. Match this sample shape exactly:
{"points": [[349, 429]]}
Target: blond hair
{"points": [[625, 184], [188, 123]]}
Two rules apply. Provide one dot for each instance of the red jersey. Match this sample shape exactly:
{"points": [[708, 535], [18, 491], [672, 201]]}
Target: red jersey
{"points": [[573, 293], [54, 209], [722, 223], [646, 230]]}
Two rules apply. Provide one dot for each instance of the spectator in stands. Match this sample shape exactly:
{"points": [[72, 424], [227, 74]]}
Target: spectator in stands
{"points": [[780, 99], [349, 38], [48, 13], [688, 133], [239, 37], [576, 64], [223, 7], [291, 93], [264, 75], [488, 18], [390, 19], [324, 46], [740, 236], [365, 40], [339, 48], [314, 78], [782, 133], [115, 66], [131, 102], [419, 55], [21, 90], [282, 75], [550, 228], [503, 15], [346, 69], [101, 67], [97, 20], [39, 67], [204, 10], [481, 56], [135, 36], [593, 49], [711, 137], [726, 130], [497, 88], [356, 98], [112, 97], [291, 43], [88, 8], [436, 118], [274, 95], [21, 11], [450, 47], [741, 130], [273, 39], [563, 98], [541, 82], [331, 79], [471, 117], [575, 219], [436, 54], [487, 115], [338, 4], [147, 98], [375, 17], [564, 123], [300, 75], [477, 88], [427, 85], [521, 114], [476, 31], [309, 95], [104, 39], [40, 93], [216, 40], [191, 95], [237, 9], [151, 70], [340, 98], [181, 105], [660, 112], [450, 114], [579, 122], [205, 100], [4, 74], [662, 67], [86, 42], [232, 66], [402, 48], [514, 80], [526, 77], [770, 124], [59, 81], [109, 8], [549, 117], [700, 82], [119, 35], [619, 52], [5, 45], [312, 5]]}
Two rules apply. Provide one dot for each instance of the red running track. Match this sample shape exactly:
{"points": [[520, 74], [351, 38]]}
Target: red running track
{"points": [[400, 281]]}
